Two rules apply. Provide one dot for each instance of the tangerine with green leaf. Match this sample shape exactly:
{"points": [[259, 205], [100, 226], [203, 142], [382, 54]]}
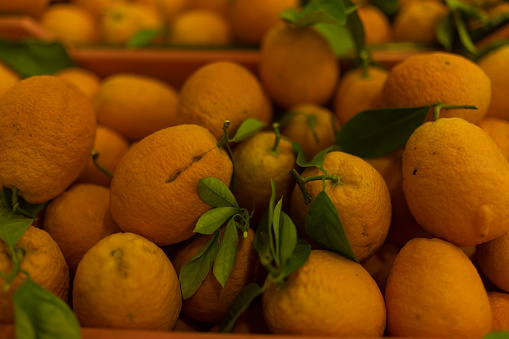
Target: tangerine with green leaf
{"points": [[41, 257], [211, 300], [358, 193], [257, 160], [154, 191], [329, 295]]}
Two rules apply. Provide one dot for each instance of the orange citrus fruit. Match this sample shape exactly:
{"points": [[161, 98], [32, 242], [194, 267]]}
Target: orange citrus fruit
{"points": [[126, 281], [77, 219], [47, 131], [498, 130], [361, 198], [86, 80], [200, 27], [154, 191], [42, 259], [439, 77], [136, 105], [492, 260], [439, 161], [376, 24], [328, 296], [297, 66], [433, 290], [500, 306], [495, 65], [220, 91]]}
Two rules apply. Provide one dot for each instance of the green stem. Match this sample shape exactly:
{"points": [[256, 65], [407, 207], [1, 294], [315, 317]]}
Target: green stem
{"points": [[301, 182], [275, 126], [439, 106], [224, 137], [95, 155], [16, 208]]}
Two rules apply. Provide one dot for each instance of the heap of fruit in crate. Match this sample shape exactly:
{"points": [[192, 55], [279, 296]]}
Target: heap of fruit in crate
{"points": [[304, 199]]}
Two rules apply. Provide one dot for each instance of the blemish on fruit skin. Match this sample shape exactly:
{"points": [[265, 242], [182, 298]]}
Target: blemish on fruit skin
{"points": [[195, 159], [414, 172], [118, 255]]}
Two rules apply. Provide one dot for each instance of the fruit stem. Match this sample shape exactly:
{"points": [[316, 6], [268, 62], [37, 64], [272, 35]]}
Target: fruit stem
{"points": [[301, 182], [275, 126], [95, 155], [439, 106], [16, 208], [224, 137]]}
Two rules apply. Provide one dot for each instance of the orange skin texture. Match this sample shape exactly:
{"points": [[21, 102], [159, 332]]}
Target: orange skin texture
{"points": [[328, 296], [86, 80], [136, 105], [251, 19], [9, 78], [111, 147], [362, 201], [126, 281], [357, 92], [255, 165], [154, 191], [433, 290], [47, 131], [377, 27], [416, 21], [495, 65], [455, 182], [403, 225], [298, 129], [430, 78], [220, 91], [297, 66], [493, 261], [45, 263], [77, 219], [500, 306], [211, 301], [498, 130]]}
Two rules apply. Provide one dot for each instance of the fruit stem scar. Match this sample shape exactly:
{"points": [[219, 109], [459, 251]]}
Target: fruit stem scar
{"points": [[117, 253], [301, 182], [196, 158]]}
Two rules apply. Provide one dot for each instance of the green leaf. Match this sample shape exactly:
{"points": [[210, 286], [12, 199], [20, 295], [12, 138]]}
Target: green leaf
{"points": [[356, 29], [30, 208], [41, 314], [339, 38], [143, 38], [319, 157], [247, 129], [324, 227], [299, 256], [287, 239], [270, 215], [195, 270], [373, 133], [211, 220], [315, 12], [444, 32], [241, 303], [275, 231], [261, 236], [12, 225], [497, 335], [490, 48], [34, 57], [389, 7], [215, 193], [225, 259]]}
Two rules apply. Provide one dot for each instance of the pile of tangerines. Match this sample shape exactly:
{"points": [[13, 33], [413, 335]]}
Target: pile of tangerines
{"points": [[118, 163]]}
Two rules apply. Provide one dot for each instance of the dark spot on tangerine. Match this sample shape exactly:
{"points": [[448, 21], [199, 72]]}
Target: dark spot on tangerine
{"points": [[415, 171]]}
